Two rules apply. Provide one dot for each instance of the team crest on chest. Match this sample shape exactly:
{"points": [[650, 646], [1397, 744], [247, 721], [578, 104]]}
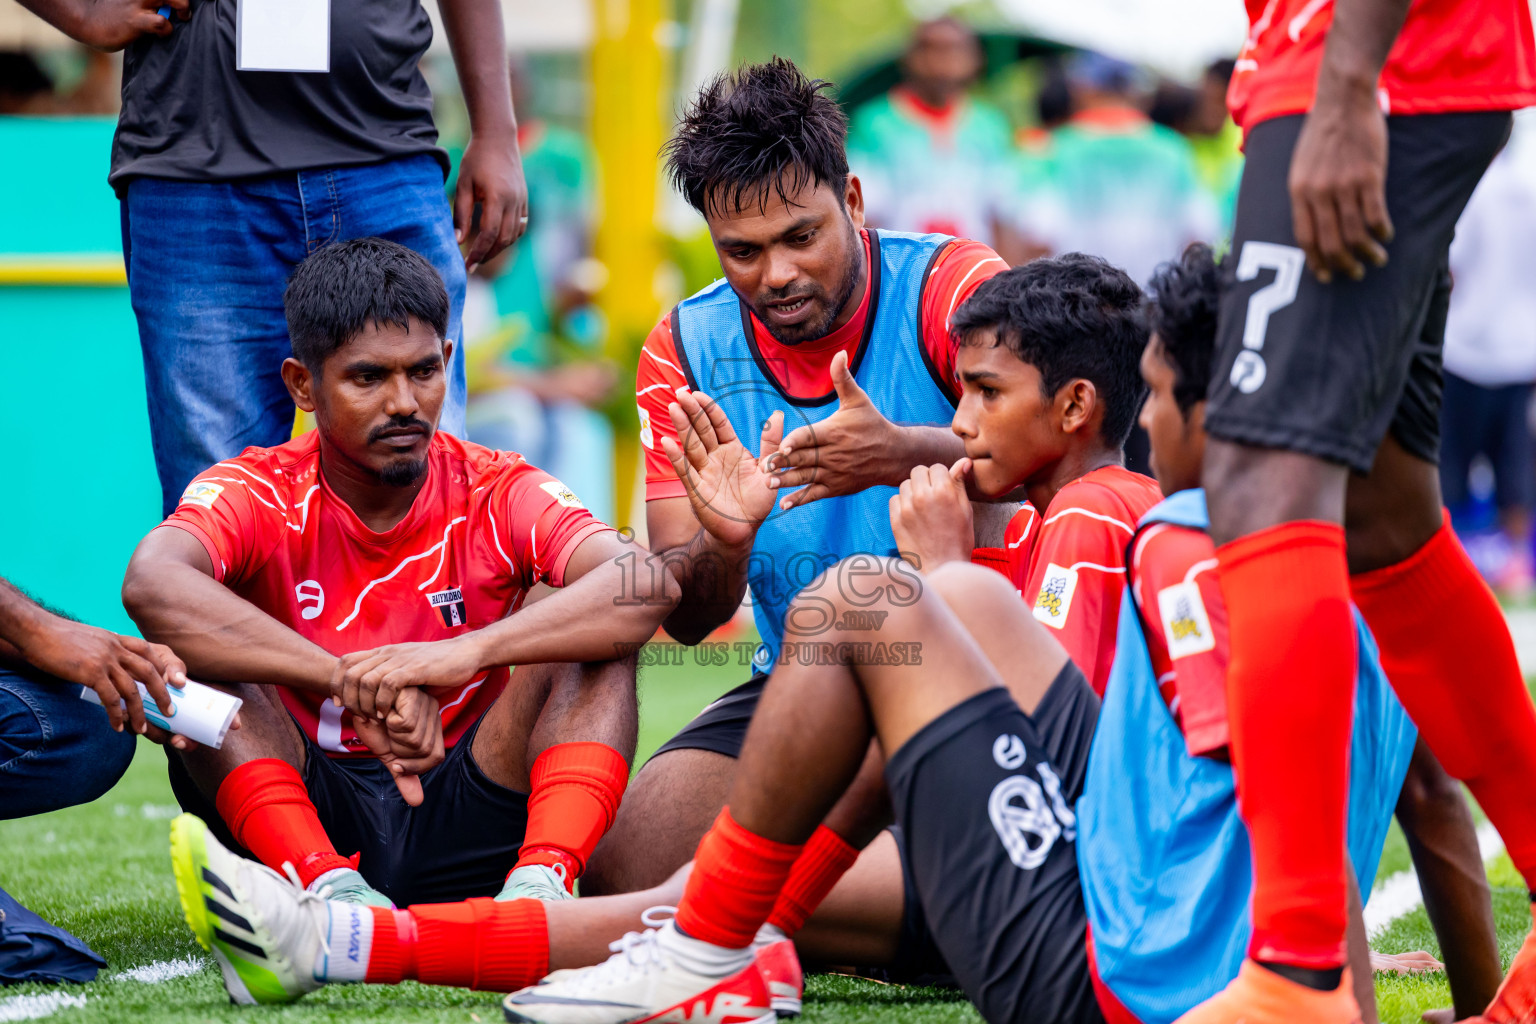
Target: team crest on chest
{"points": [[450, 605]]}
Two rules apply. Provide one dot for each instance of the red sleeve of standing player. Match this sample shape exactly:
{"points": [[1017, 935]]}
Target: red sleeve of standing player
{"points": [[1186, 629], [1076, 576], [657, 378], [232, 508], [545, 523], [961, 267]]}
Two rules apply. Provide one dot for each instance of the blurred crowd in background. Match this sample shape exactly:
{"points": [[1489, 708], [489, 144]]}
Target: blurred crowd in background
{"points": [[1030, 146]]}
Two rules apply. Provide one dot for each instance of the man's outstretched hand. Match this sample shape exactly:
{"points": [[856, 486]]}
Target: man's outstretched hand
{"points": [[727, 485], [843, 454], [108, 663]]}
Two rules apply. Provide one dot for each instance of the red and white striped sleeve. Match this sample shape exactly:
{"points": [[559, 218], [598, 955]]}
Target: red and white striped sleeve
{"points": [[958, 272], [657, 378]]}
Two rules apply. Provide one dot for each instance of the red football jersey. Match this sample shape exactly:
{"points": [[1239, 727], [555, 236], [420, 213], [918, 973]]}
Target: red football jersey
{"points": [[1069, 565], [1173, 571], [485, 527], [807, 367], [1452, 55]]}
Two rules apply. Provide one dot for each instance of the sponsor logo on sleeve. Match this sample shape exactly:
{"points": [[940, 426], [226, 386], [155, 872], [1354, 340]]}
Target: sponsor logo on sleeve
{"points": [[647, 435], [201, 492], [1055, 599], [1186, 626], [561, 493], [450, 605]]}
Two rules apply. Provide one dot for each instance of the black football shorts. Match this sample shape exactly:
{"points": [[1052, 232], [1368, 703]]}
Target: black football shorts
{"points": [[983, 797], [1328, 370], [459, 843], [722, 726]]}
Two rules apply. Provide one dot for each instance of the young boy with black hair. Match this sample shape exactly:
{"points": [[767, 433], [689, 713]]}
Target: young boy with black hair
{"points": [[1047, 365]]}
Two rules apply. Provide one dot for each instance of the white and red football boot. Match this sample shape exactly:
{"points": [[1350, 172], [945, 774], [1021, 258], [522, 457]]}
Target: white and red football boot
{"points": [[780, 965], [658, 975]]}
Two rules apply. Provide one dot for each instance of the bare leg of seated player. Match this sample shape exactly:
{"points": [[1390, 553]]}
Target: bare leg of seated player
{"points": [[275, 793]]}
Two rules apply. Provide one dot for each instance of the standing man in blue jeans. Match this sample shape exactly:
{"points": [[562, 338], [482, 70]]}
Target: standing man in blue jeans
{"points": [[57, 750], [229, 178]]}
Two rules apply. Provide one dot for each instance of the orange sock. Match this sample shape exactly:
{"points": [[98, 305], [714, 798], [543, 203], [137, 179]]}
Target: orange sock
{"points": [[496, 947], [266, 806], [826, 858], [1447, 651], [1290, 692], [576, 789], [736, 878]]}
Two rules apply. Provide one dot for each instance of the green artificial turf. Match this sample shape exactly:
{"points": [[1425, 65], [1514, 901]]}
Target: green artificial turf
{"points": [[102, 870]]}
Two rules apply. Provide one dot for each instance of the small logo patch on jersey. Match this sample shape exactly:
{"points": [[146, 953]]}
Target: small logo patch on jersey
{"points": [[311, 599], [450, 605], [647, 435], [1008, 751], [201, 492], [561, 493], [1055, 599], [1186, 626]]}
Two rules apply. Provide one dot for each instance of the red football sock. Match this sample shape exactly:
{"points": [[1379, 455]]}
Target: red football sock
{"points": [[826, 858], [266, 806], [576, 789], [1290, 691], [1447, 651], [736, 878], [497, 947]]}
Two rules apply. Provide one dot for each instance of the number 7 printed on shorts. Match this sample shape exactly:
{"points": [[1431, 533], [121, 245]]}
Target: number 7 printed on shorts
{"points": [[1249, 369]]}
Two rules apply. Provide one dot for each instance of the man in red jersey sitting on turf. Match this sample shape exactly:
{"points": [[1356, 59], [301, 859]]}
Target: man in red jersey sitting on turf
{"points": [[362, 588]]}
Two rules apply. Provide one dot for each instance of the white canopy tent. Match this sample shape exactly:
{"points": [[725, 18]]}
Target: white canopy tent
{"points": [[1176, 37]]}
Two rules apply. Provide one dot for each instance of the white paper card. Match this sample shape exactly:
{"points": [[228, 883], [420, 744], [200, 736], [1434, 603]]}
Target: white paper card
{"points": [[283, 35]]}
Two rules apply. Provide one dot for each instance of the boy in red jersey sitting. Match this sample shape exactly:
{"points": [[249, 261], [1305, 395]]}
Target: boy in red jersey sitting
{"points": [[362, 588]]}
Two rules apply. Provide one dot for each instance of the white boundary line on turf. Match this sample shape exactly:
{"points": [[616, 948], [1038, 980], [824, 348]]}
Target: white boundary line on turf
{"points": [[1400, 893], [33, 1007], [162, 970]]}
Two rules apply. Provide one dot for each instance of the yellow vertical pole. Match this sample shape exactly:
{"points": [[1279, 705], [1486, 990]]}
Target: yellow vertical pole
{"points": [[628, 110]]}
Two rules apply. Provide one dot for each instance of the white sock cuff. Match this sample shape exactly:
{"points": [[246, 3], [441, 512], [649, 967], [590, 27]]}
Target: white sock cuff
{"points": [[350, 935]]}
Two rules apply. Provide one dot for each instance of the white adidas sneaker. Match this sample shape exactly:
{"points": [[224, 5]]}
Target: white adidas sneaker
{"points": [[652, 976], [270, 936]]}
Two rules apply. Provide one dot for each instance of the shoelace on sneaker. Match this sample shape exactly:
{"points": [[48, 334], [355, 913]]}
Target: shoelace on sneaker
{"points": [[305, 897], [633, 954]]}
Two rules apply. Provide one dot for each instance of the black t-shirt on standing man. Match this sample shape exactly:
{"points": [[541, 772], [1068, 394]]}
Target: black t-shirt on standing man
{"points": [[189, 115]]}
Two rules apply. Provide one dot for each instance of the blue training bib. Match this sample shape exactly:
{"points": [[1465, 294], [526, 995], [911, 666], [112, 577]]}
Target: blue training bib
{"points": [[713, 334]]}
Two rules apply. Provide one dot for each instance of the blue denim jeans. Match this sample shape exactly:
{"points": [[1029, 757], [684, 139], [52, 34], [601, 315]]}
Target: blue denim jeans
{"points": [[56, 750], [207, 265]]}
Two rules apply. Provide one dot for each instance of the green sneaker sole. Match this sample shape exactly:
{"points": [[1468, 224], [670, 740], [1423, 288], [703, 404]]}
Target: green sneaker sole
{"points": [[188, 853]]}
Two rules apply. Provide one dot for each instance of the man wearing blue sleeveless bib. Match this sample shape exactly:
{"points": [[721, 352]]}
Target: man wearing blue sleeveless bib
{"points": [[824, 350]]}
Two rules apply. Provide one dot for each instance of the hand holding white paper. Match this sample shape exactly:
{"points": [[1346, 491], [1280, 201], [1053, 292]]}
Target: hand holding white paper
{"points": [[200, 713], [283, 35]]}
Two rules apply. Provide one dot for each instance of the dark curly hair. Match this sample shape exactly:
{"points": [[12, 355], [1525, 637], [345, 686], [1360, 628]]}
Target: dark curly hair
{"points": [[339, 290], [1071, 316], [1182, 312], [765, 130]]}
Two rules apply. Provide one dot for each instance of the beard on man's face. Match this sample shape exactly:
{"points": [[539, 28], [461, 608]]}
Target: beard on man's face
{"points": [[832, 307], [402, 472]]}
